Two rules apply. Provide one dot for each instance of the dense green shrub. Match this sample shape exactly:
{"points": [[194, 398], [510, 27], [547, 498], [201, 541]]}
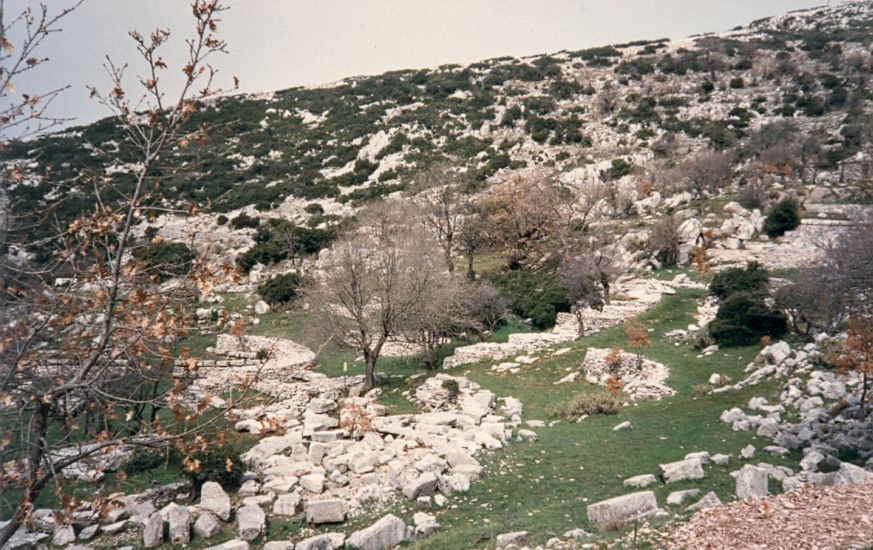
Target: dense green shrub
{"points": [[143, 459], [453, 389], [737, 83], [280, 289], [279, 240], [784, 216], [743, 319], [244, 221], [620, 168], [539, 297], [165, 259], [221, 219], [600, 402], [222, 465], [751, 280]]}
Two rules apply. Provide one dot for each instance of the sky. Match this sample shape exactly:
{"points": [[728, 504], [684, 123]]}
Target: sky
{"points": [[277, 44]]}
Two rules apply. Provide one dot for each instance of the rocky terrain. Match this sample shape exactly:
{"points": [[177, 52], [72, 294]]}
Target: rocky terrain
{"points": [[758, 446]]}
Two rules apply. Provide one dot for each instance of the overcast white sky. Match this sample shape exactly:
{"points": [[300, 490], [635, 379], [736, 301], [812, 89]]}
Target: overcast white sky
{"points": [[276, 44]]}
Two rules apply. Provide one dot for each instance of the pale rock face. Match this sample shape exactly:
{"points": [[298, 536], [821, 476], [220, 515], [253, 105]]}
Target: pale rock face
{"points": [[640, 481], [425, 524], [708, 501], [385, 534], [682, 470], [423, 485], [153, 531], [517, 538], [318, 542], [325, 511], [214, 499], [206, 526], [751, 481], [179, 520], [234, 544], [618, 511], [252, 522], [287, 504], [67, 534]]}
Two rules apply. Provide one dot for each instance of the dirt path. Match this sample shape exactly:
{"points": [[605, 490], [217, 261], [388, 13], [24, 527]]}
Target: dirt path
{"points": [[809, 518]]}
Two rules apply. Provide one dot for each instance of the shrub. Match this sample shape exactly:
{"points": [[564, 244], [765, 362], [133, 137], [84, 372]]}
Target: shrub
{"points": [[752, 196], [599, 402], [221, 219], [165, 259], [737, 83], [752, 280], [280, 289], [743, 319], [539, 297], [142, 460], [452, 387], [244, 221], [222, 465], [699, 390], [784, 216]]}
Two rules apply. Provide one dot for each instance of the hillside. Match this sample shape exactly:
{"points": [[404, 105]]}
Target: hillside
{"points": [[363, 137], [613, 298]]}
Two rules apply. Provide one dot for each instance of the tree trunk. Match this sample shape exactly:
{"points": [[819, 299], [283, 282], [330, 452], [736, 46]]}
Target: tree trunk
{"points": [[580, 332], [369, 372], [450, 263], [604, 281], [38, 429], [471, 273]]}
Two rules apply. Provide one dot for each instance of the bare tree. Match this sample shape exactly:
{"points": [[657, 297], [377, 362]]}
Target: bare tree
{"points": [[378, 283], [824, 297], [472, 238], [665, 242], [581, 278], [441, 202], [705, 174], [82, 360]]}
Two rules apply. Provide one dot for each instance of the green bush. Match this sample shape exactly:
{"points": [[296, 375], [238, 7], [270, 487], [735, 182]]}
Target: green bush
{"points": [[752, 280], [143, 459], [539, 297], [453, 388], [743, 319], [222, 465], [784, 216], [599, 402], [737, 83], [165, 259], [244, 221], [221, 219], [280, 289]]}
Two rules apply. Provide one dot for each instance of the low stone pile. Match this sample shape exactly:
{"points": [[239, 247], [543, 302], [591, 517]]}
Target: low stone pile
{"points": [[330, 468], [645, 382], [631, 298]]}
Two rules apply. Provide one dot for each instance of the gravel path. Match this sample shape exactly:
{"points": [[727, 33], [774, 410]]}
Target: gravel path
{"points": [[809, 518]]}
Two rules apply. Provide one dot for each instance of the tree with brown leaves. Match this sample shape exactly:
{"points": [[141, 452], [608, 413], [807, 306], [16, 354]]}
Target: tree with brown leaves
{"points": [[89, 343], [856, 354], [637, 338]]}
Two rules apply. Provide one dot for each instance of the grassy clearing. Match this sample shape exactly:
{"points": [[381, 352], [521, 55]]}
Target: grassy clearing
{"points": [[544, 487]]}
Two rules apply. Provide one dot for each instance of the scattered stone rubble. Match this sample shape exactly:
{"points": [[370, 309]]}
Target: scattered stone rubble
{"points": [[646, 382], [631, 298]]}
